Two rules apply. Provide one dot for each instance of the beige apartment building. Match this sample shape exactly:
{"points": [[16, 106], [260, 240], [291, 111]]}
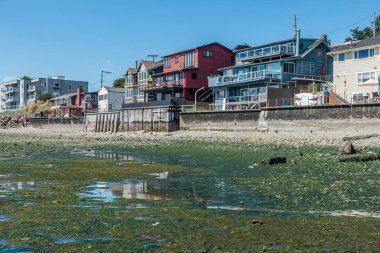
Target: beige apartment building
{"points": [[356, 70]]}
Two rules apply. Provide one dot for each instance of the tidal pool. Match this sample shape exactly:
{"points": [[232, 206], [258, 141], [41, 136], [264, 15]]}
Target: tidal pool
{"points": [[189, 197]]}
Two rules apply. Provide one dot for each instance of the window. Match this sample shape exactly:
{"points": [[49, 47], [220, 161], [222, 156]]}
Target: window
{"points": [[341, 57], [208, 54], [364, 77], [289, 67], [167, 62], [103, 97], [142, 76], [306, 67], [189, 59], [176, 59], [194, 76], [130, 79], [243, 55], [366, 53]]}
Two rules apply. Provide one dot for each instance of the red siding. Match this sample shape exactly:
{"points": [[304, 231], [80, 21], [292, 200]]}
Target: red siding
{"points": [[204, 66]]}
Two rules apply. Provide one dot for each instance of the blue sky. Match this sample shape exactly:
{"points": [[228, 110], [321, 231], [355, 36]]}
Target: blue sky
{"points": [[78, 38]]}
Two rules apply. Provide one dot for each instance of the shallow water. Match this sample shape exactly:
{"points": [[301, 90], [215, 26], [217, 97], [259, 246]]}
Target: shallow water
{"points": [[127, 199]]}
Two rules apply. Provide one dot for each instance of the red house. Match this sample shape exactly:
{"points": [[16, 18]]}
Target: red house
{"points": [[186, 71]]}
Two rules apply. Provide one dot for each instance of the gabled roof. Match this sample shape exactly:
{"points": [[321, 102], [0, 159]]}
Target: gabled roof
{"points": [[206, 45], [114, 89], [355, 45], [131, 71], [314, 45], [150, 65]]}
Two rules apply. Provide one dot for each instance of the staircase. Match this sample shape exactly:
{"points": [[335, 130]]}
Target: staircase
{"points": [[339, 99], [206, 94]]}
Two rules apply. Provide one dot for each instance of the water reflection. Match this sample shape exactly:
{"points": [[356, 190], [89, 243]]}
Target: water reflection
{"points": [[15, 186], [128, 189]]}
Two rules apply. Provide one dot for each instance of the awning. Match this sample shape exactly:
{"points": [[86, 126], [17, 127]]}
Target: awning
{"points": [[370, 82]]}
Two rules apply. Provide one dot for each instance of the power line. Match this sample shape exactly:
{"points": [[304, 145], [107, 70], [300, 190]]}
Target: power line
{"points": [[349, 26]]}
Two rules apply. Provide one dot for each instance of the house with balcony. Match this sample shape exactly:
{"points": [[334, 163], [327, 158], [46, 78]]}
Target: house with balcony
{"points": [[10, 95], [357, 70], [293, 64], [131, 87], [187, 71], [56, 86], [144, 73]]}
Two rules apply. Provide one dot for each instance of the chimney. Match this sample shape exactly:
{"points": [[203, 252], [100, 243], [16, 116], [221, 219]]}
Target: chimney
{"points": [[136, 64], [323, 37], [298, 42]]}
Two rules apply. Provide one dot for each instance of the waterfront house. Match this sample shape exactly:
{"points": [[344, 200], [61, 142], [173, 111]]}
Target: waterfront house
{"points": [[56, 86], [357, 70], [110, 99], [186, 71], [145, 72], [294, 64], [131, 86]]}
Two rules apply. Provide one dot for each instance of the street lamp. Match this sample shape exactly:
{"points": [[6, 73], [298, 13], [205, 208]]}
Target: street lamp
{"points": [[101, 76], [195, 104]]}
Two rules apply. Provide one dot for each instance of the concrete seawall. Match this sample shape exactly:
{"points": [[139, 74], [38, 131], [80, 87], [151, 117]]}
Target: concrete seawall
{"points": [[259, 119]]}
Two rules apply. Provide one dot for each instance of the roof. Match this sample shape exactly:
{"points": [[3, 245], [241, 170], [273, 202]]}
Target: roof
{"points": [[114, 89], [206, 45], [149, 65], [356, 45], [301, 55], [132, 70]]}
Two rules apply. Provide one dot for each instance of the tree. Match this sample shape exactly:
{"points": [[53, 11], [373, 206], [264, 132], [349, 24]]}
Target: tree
{"points": [[119, 83], [26, 78], [366, 32], [45, 97]]}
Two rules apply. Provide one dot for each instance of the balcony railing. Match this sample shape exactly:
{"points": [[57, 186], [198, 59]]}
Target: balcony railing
{"points": [[267, 51], [9, 99], [32, 88], [32, 97], [10, 107], [9, 90], [246, 77]]}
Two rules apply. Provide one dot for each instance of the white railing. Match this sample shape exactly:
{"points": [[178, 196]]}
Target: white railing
{"points": [[32, 97], [32, 88], [10, 107], [3, 97], [267, 51], [9, 99], [250, 76], [9, 90]]}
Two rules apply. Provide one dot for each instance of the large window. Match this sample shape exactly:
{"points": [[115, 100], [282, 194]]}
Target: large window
{"points": [[129, 93], [167, 62], [366, 53], [364, 77], [289, 67], [306, 67], [189, 59], [342, 57]]}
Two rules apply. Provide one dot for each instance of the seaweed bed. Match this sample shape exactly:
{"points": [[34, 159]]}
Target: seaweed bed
{"points": [[184, 196]]}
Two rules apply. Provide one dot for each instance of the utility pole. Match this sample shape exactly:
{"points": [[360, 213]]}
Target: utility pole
{"points": [[153, 56], [374, 24], [295, 25], [101, 76]]}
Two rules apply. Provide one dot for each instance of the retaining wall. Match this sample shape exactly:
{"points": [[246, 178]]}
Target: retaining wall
{"points": [[60, 123], [246, 120], [153, 119]]}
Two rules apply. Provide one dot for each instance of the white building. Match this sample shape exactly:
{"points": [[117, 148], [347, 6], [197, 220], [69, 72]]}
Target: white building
{"points": [[357, 70], [110, 99]]}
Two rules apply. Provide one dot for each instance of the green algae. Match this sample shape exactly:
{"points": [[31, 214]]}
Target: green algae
{"points": [[289, 200]]}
